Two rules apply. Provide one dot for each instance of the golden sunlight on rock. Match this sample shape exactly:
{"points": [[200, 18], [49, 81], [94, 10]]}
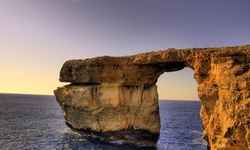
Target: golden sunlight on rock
{"points": [[116, 98]]}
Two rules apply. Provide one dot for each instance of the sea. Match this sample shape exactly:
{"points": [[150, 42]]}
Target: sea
{"points": [[35, 122]]}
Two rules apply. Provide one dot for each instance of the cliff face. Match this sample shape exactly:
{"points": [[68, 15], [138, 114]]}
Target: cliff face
{"points": [[112, 111], [116, 98]]}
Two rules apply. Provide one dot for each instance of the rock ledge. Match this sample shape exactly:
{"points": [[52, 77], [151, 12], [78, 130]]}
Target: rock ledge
{"points": [[116, 98]]}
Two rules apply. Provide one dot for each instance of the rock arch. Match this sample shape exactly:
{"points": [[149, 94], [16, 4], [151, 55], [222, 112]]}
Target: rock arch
{"points": [[116, 98]]}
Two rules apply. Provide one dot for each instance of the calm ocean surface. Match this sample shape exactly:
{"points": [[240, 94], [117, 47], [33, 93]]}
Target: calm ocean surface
{"points": [[35, 122]]}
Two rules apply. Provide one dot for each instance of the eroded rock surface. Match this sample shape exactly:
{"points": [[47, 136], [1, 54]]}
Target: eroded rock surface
{"points": [[116, 98]]}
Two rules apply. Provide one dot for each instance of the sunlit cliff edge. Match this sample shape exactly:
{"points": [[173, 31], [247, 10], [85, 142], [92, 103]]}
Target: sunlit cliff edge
{"points": [[115, 98]]}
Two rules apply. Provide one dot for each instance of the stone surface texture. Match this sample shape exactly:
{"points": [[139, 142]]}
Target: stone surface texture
{"points": [[116, 98]]}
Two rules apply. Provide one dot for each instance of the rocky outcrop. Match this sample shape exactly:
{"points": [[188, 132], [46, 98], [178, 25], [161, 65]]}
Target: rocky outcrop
{"points": [[116, 98]]}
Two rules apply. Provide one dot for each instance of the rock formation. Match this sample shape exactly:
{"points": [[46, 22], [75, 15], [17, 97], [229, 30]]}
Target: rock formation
{"points": [[116, 98]]}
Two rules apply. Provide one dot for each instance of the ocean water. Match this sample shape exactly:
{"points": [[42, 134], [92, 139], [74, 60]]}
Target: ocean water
{"points": [[30, 122]]}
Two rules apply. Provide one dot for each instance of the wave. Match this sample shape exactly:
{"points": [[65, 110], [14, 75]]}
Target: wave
{"points": [[199, 140]]}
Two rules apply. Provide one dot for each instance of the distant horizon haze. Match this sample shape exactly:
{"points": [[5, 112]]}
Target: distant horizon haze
{"points": [[54, 95]]}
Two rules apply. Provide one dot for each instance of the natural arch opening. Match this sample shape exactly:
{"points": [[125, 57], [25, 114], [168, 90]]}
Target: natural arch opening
{"points": [[178, 85], [181, 126]]}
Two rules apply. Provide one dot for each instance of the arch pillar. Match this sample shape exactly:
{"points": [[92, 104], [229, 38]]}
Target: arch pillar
{"points": [[115, 98]]}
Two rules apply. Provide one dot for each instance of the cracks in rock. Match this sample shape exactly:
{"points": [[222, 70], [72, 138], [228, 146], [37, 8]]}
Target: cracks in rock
{"points": [[243, 69], [136, 113], [229, 133]]}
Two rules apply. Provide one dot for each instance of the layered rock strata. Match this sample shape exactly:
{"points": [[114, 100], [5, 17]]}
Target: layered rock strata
{"points": [[116, 98]]}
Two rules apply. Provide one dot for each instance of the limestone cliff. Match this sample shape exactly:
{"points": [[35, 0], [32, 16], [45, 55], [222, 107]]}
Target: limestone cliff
{"points": [[116, 97]]}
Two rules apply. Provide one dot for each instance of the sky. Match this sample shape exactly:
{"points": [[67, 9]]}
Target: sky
{"points": [[38, 36]]}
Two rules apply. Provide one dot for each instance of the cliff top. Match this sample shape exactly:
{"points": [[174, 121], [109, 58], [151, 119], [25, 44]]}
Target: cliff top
{"points": [[99, 69]]}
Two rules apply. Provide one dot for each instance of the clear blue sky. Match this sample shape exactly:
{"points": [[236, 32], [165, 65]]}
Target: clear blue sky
{"points": [[38, 36]]}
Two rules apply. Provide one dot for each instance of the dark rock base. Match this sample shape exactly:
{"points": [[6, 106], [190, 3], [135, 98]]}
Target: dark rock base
{"points": [[140, 138]]}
